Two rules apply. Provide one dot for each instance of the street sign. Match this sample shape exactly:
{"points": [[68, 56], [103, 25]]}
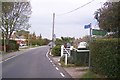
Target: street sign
{"points": [[98, 32]]}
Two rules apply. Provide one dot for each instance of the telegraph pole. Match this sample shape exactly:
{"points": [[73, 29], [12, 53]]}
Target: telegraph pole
{"points": [[53, 29]]}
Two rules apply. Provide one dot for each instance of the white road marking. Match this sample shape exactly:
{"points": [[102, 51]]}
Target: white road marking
{"points": [[56, 68], [59, 64], [62, 74], [1, 62], [47, 54], [58, 60], [10, 58], [50, 60]]}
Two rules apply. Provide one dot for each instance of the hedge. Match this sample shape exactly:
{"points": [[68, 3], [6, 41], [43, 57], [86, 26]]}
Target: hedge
{"points": [[105, 57], [13, 46], [56, 51]]}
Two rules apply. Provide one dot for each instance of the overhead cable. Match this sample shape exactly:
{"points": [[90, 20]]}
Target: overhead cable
{"points": [[75, 9]]}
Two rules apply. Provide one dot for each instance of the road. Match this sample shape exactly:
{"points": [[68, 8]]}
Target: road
{"points": [[34, 63]]}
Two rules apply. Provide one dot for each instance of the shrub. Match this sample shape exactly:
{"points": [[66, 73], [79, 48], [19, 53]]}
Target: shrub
{"points": [[12, 46], [56, 51], [105, 57]]}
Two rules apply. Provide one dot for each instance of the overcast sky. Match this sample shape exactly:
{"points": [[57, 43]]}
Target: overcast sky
{"points": [[67, 25]]}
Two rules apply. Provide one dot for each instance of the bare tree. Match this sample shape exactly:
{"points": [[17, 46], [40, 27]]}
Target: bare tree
{"points": [[15, 16]]}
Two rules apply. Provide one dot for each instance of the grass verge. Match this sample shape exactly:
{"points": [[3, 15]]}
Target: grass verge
{"points": [[90, 74]]}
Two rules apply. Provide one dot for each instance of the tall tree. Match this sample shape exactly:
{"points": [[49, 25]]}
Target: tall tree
{"points": [[15, 16], [34, 36], [108, 16]]}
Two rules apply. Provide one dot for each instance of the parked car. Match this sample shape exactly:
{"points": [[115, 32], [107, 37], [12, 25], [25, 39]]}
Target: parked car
{"points": [[22, 44]]}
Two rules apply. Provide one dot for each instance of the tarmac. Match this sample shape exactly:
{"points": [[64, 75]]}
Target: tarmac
{"points": [[75, 72]]}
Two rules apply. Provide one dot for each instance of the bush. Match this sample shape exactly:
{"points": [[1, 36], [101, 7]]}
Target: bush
{"points": [[12, 46], [105, 57], [56, 51]]}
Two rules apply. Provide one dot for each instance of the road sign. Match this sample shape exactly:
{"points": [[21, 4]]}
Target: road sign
{"points": [[98, 32]]}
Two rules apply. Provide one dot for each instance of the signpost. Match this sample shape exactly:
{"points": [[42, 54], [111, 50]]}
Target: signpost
{"points": [[90, 27], [98, 32]]}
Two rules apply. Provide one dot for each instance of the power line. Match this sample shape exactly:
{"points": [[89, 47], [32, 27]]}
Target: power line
{"points": [[75, 9]]}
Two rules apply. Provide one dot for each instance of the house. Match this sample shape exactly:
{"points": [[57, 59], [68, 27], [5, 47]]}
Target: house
{"points": [[20, 39]]}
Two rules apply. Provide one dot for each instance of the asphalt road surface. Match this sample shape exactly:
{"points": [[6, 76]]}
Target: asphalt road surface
{"points": [[34, 63]]}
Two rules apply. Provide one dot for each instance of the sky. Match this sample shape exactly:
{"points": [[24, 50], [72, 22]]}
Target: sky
{"points": [[66, 25]]}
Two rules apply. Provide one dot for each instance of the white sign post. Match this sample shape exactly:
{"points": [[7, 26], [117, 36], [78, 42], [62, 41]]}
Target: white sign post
{"points": [[65, 59], [62, 47]]}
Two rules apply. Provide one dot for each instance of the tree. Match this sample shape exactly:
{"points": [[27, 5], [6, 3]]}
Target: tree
{"points": [[58, 41], [108, 17], [15, 16], [86, 38], [67, 39], [40, 37], [34, 36]]}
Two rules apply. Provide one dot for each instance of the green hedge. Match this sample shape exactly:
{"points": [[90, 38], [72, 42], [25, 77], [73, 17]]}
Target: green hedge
{"points": [[105, 57], [13, 46], [56, 51]]}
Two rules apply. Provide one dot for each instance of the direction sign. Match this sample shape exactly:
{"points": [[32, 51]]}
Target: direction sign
{"points": [[98, 32]]}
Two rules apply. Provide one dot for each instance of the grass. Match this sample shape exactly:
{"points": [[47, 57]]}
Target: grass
{"points": [[90, 74], [68, 65]]}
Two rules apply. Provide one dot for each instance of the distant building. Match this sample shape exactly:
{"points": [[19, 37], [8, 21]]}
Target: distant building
{"points": [[20, 39]]}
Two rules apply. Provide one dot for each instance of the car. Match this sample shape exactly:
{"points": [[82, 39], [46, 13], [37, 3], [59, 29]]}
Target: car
{"points": [[22, 44]]}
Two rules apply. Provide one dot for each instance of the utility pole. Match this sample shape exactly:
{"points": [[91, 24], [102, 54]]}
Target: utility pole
{"points": [[53, 29]]}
